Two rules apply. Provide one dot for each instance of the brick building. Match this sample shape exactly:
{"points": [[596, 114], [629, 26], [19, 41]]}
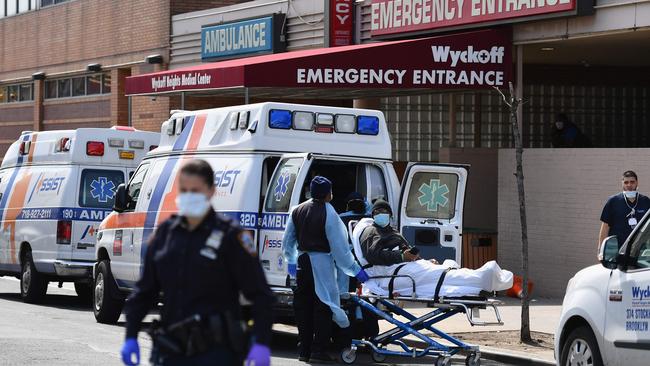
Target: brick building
{"points": [[63, 63]]}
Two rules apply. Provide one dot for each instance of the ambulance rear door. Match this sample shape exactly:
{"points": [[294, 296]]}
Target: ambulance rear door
{"points": [[431, 209], [281, 196]]}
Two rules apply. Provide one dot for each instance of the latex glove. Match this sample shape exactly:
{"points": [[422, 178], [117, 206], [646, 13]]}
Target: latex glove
{"points": [[129, 349], [292, 269], [259, 355], [362, 276]]}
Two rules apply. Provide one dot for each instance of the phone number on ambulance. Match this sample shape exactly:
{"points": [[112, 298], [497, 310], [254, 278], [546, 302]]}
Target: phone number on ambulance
{"points": [[37, 213]]}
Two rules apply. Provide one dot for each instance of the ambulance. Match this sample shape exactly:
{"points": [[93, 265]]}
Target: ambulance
{"points": [[55, 189], [605, 318], [264, 156]]}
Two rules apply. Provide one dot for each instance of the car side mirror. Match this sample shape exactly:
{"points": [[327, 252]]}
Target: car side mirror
{"points": [[121, 199], [608, 252]]}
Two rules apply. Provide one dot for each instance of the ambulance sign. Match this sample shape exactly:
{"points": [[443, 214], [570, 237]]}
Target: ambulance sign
{"points": [[407, 16]]}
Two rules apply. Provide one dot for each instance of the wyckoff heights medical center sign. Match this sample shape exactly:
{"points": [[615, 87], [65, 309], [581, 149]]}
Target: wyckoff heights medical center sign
{"points": [[470, 60]]}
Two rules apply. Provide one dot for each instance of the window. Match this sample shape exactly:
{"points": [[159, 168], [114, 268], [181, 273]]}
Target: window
{"points": [[106, 85], [376, 184], [78, 86], [64, 88], [3, 91], [26, 92], [98, 187], [135, 184], [12, 93], [282, 184], [50, 89], [45, 3], [94, 84], [432, 195], [640, 251]]}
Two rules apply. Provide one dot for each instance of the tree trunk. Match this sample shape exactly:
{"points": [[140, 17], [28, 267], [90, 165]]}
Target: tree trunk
{"points": [[519, 150]]}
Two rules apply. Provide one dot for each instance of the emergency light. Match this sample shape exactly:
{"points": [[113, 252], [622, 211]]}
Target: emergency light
{"points": [[63, 145], [24, 147], [280, 118], [303, 121], [136, 144], [234, 120], [126, 154], [123, 128], [95, 148], [367, 125], [115, 142], [345, 123], [243, 120], [63, 232]]}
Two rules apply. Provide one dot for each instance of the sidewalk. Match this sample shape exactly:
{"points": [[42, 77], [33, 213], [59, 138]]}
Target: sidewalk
{"points": [[498, 342]]}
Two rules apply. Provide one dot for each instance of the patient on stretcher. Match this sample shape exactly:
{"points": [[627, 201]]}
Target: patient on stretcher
{"points": [[384, 252]]}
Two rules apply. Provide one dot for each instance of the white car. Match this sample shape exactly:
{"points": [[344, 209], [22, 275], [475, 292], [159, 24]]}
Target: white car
{"points": [[606, 309]]}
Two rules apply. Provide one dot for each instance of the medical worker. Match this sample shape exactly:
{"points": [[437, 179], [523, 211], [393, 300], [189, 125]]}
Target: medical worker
{"points": [[200, 262], [318, 254]]}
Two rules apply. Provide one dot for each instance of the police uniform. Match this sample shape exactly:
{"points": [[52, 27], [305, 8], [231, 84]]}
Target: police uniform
{"points": [[622, 215], [202, 272]]}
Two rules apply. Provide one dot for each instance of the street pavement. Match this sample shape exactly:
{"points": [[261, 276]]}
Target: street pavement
{"points": [[63, 331]]}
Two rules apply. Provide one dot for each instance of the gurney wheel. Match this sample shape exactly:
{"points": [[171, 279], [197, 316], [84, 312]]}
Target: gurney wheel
{"points": [[378, 357], [348, 356], [443, 361], [473, 359]]}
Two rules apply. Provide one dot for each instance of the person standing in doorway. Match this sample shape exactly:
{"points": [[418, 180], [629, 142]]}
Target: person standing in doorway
{"points": [[623, 210]]}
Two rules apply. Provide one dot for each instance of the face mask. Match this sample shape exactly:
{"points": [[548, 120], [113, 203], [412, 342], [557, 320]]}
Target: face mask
{"points": [[630, 194], [192, 204], [382, 219]]}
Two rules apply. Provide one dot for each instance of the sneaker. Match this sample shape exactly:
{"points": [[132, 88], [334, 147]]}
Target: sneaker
{"points": [[319, 358]]}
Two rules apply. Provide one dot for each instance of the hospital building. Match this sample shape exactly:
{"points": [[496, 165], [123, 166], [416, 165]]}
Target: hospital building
{"points": [[76, 63]]}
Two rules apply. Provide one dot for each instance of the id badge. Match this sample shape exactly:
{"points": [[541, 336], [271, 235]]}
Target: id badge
{"points": [[209, 253], [632, 221]]}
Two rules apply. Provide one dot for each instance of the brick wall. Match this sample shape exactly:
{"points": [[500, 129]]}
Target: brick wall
{"points": [[67, 37], [186, 6], [565, 192]]}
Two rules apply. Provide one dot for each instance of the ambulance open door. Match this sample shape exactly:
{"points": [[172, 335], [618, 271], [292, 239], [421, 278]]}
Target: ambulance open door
{"points": [[283, 193], [431, 209]]}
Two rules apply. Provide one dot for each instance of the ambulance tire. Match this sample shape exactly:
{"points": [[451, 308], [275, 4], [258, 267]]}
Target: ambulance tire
{"points": [[33, 285], [85, 291], [579, 345], [107, 299]]}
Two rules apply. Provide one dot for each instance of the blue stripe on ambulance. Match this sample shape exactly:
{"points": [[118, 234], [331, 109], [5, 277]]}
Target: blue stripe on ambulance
{"points": [[10, 183], [161, 184], [63, 213]]}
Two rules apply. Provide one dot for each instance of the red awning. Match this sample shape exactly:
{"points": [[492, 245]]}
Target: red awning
{"points": [[471, 60]]}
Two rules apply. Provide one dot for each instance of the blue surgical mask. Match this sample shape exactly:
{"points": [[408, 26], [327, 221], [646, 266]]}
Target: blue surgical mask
{"points": [[382, 219], [630, 194], [192, 204]]}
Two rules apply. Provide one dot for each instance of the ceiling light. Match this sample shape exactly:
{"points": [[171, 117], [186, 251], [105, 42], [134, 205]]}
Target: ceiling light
{"points": [[547, 48]]}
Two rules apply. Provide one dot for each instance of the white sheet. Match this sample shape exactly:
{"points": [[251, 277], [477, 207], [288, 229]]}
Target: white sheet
{"points": [[457, 282]]}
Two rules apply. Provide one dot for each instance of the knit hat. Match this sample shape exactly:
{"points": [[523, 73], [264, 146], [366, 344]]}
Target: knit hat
{"points": [[381, 204], [320, 187]]}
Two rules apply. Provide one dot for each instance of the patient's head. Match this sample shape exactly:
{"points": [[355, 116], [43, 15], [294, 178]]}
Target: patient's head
{"points": [[381, 213], [356, 203]]}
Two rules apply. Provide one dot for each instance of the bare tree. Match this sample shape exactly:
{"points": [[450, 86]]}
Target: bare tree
{"points": [[514, 103]]}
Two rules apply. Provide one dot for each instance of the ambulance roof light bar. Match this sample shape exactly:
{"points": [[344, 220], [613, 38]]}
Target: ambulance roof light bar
{"points": [[321, 122]]}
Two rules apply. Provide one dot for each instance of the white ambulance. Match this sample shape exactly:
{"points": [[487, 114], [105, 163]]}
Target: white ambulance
{"points": [[605, 317], [55, 189], [264, 156]]}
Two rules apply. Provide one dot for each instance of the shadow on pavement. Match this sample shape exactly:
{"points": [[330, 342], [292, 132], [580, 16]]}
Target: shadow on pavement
{"points": [[68, 302]]}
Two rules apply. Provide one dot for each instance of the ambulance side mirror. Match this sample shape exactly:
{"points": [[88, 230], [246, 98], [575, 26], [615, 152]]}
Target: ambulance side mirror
{"points": [[608, 252], [121, 199]]}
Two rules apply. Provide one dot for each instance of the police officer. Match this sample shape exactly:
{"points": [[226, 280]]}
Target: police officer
{"points": [[315, 245], [200, 262], [623, 210]]}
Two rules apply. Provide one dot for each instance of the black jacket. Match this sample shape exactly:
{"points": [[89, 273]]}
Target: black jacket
{"points": [[377, 245], [194, 278]]}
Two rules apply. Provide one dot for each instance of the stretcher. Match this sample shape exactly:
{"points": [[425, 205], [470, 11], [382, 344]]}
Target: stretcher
{"points": [[385, 307]]}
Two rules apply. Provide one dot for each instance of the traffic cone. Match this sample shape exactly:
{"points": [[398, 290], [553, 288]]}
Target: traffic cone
{"points": [[517, 289]]}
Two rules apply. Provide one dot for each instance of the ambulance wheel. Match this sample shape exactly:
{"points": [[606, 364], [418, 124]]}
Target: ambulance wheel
{"points": [[349, 356], [473, 359], [107, 300], [33, 285], [378, 357], [84, 291], [581, 348]]}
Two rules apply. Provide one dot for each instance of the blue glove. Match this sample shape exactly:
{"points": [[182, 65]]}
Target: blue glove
{"points": [[292, 269], [129, 349], [362, 276], [259, 355]]}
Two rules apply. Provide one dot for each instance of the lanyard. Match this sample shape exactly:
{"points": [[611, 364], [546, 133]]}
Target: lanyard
{"points": [[632, 209]]}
